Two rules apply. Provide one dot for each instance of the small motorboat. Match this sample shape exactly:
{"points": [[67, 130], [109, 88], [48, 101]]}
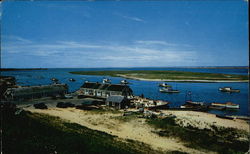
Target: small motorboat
{"points": [[228, 89], [168, 90], [195, 103], [105, 80], [124, 82], [54, 79], [158, 104], [72, 80], [164, 85], [227, 105]]}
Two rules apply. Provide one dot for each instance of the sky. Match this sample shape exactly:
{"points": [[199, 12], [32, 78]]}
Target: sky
{"points": [[87, 34]]}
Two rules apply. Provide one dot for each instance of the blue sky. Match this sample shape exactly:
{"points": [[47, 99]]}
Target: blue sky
{"points": [[124, 33]]}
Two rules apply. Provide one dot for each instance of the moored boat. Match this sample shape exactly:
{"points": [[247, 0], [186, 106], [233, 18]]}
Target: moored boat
{"points": [[157, 105], [228, 89], [168, 90], [229, 105], [54, 79], [164, 85], [195, 103], [105, 80], [124, 82], [224, 116], [72, 80]]}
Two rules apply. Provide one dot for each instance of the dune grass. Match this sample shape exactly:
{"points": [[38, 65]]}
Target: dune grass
{"points": [[221, 140], [40, 133], [166, 75]]}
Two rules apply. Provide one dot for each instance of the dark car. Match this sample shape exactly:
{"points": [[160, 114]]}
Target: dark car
{"points": [[40, 106]]}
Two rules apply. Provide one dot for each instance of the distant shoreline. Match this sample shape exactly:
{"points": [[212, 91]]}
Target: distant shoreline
{"points": [[198, 81], [21, 69], [169, 76]]}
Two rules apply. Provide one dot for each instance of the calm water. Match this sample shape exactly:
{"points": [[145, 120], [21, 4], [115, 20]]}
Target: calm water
{"points": [[207, 92]]}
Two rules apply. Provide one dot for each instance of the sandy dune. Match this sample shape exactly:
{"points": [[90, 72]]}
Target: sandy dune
{"points": [[137, 129], [205, 120]]}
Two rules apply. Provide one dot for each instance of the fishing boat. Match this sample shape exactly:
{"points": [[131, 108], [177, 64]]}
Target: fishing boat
{"points": [[164, 85], [216, 107], [194, 107], [189, 104], [105, 80], [228, 89], [195, 103], [72, 80], [228, 105], [124, 82], [168, 90]]}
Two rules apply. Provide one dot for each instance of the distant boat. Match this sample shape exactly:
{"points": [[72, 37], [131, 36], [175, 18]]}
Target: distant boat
{"points": [[124, 82], [105, 80], [168, 90], [164, 85], [228, 105], [54, 79], [228, 89], [72, 80]]}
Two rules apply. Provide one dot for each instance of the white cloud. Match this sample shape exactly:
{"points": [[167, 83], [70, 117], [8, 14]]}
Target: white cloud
{"points": [[134, 18], [15, 39], [82, 54], [154, 42]]}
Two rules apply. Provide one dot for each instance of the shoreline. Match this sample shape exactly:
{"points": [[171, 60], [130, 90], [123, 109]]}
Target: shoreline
{"points": [[183, 80]]}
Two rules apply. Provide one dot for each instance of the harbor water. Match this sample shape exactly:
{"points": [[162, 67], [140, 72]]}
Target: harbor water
{"points": [[206, 92]]}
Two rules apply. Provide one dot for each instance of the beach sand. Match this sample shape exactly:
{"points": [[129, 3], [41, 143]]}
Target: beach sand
{"points": [[137, 129]]}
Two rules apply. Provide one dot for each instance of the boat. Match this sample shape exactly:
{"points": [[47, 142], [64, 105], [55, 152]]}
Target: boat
{"points": [[105, 80], [164, 85], [168, 90], [224, 116], [189, 104], [124, 82], [72, 80], [195, 103], [216, 107], [228, 89], [149, 103], [194, 107], [158, 104], [54, 79], [228, 105]]}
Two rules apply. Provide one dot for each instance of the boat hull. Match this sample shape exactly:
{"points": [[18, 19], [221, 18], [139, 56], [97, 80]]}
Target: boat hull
{"points": [[236, 106]]}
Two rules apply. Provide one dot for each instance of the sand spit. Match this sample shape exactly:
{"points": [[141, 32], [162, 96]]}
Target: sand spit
{"points": [[168, 80], [137, 129]]}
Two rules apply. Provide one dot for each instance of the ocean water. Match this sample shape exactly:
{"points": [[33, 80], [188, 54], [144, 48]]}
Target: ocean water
{"points": [[206, 92]]}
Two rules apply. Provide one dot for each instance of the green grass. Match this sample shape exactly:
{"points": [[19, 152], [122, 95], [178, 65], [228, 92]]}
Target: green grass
{"points": [[222, 140], [40, 133], [166, 75]]}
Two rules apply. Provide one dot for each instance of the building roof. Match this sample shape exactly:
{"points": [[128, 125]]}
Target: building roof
{"points": [[109, 87], [115, 98]]}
